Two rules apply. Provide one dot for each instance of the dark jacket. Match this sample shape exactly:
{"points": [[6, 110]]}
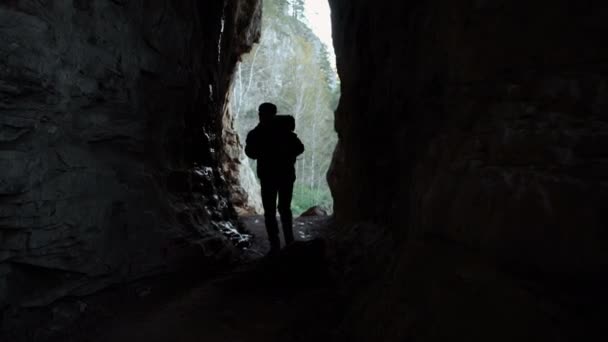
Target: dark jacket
{"points": [[276, 151]]}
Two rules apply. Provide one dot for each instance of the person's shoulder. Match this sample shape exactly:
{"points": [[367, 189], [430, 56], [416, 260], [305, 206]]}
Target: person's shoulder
{"points": [[253, 135], [255, 130]]}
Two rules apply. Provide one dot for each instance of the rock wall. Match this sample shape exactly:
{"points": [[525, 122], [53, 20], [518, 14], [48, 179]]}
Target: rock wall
{"points": [[245, 188], [110, 140], [474, 128]]}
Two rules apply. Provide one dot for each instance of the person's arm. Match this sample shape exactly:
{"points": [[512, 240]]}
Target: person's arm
{"points": [[296, 145], [251, 145]]}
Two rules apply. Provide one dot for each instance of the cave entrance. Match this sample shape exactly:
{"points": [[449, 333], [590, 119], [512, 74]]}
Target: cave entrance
{"points": [[292, 66]]}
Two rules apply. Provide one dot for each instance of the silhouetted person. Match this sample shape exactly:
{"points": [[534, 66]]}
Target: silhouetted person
{"points": [[275, 146]]}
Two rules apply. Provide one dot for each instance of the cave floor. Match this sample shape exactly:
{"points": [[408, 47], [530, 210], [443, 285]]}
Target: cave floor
{"points": [[289, 298]]}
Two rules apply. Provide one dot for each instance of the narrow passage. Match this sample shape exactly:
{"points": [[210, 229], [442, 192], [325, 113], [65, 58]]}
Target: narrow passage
{"points": [[290, 298]]}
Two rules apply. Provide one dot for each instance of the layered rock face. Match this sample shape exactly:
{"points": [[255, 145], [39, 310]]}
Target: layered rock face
{"points": [[482, 125], [244, 186], [110, 139]]}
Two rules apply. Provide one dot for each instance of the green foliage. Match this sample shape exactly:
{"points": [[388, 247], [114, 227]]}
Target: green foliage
{"points": [[290, 67], [305, 198]]}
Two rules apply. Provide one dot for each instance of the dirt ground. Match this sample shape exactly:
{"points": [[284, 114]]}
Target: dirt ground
{"points": [[288, 298]]}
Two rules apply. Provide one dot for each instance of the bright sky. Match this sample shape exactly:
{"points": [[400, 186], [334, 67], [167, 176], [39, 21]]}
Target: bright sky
{"points": [[318, 14]]}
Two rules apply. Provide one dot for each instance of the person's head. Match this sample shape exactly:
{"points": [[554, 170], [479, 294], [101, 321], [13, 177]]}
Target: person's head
{"points": [[267, 111]]}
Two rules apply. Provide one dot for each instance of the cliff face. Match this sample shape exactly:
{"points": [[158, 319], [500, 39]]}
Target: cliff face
{"points": [[480, 127], [110, 140]]}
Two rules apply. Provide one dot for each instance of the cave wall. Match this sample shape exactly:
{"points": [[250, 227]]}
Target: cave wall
{"points": [[245, 189], [479, 122], [110, 140], [471, 127]]}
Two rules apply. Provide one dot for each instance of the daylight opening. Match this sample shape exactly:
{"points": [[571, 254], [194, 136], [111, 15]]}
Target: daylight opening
{"points": [[293, 66]]}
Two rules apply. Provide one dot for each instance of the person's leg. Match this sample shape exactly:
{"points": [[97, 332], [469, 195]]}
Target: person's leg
{"points": [[285, 194], [269, 201]]}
